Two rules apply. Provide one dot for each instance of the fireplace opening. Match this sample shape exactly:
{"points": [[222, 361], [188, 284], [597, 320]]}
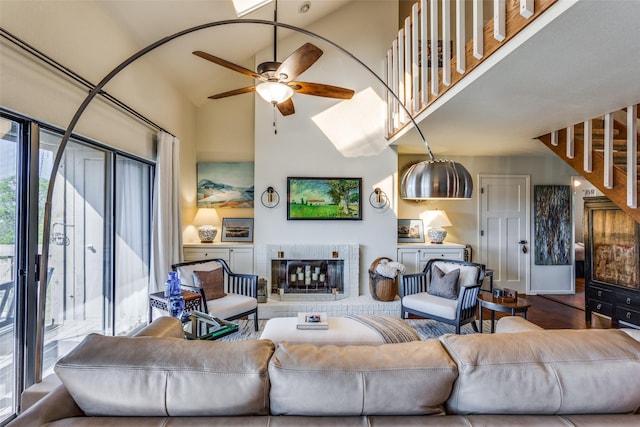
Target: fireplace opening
{"points": [[302, 276]]}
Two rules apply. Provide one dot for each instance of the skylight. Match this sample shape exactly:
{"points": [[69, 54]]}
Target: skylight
{"points": [[244, 7]]}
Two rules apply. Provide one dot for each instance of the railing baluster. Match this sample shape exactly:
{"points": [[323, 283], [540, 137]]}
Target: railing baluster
{"points": [[499, 20], [461, 39], [415, 65], [588, 147], [396, 104], [570, 142], [435, 79], [408, 79], [424, 37], [554, 138], [608, 150], [390, 99], [526, 8], [446, 40], [478, 28], [632, 156], [401, 75]]}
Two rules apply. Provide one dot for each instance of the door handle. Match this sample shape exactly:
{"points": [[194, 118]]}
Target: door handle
{"points": [[524, 246]]}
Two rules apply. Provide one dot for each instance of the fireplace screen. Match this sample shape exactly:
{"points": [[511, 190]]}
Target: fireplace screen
{"points": [[308, 276]]}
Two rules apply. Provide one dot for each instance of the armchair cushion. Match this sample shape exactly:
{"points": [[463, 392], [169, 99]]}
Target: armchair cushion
{"points": [[231, 305], [427, 303], [443, 284], [211, 282]]}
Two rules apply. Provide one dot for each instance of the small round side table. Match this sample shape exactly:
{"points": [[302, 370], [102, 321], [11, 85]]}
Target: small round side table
{"points": [[493, 304]]}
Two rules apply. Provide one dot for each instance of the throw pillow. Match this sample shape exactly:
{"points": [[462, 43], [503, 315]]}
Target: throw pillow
{"points": [[211, 282], [444, 285]]}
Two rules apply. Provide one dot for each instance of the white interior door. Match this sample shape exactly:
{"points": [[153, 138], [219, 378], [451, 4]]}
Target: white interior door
{"points": [[504, 215]]}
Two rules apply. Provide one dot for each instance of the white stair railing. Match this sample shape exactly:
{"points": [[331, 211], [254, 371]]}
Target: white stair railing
{"points": [[419, 62]]}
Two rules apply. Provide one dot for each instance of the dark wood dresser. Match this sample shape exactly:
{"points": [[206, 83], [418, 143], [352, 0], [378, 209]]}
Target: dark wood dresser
{"points": [[612, 262]]}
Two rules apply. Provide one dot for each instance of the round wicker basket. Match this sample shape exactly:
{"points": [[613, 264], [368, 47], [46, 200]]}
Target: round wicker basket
{"points": [[382, 288]]}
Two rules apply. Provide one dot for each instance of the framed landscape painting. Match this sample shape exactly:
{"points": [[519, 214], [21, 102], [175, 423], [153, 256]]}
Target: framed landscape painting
{"points": [[237, 230], [324, 198], [225, 184]]}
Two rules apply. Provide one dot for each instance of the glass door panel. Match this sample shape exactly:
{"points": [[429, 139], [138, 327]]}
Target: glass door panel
{"points": [[75, 303], [10, 132]]}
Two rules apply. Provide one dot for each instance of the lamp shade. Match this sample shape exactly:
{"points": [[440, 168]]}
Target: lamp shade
{"points": [[206, 218], [274, 92], [436, 219], [436, 179]]}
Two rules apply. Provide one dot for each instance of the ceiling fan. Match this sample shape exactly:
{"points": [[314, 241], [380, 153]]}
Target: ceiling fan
{"points": [[276, 79]]}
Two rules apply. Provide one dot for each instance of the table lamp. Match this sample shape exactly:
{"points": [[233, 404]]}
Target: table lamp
{"points": [[434, 221], [205, 218]]}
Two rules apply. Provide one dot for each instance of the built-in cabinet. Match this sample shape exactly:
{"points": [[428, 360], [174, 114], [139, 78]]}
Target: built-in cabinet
{"points": [[415, 256], [612, 262], [238, 257]]}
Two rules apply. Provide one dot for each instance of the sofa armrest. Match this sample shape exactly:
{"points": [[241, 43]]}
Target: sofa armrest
{"points": [[512, 324], [56, 405], [163, 327]]}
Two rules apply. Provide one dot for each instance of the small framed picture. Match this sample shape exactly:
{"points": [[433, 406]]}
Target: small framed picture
{"points": [[237, 230], [410, 231]]}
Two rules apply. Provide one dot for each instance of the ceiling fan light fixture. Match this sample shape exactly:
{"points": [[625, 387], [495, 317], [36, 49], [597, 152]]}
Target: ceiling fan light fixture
{"points": [[274, 92]]}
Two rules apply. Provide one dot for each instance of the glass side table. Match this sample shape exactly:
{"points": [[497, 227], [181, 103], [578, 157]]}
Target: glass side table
{"points": [[202, 326]]}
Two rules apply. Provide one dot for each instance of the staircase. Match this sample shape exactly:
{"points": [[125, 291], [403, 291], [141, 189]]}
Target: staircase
{"points": [[605, 151]]}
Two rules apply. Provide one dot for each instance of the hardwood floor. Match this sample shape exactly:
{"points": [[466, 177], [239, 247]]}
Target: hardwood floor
{"points": [[551, 314]]}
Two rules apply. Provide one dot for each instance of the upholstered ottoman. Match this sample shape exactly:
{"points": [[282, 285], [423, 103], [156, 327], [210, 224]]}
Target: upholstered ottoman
{"points": [[342, 331]]}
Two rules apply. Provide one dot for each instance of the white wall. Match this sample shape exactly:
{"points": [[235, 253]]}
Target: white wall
{"points": [[463, 214]]}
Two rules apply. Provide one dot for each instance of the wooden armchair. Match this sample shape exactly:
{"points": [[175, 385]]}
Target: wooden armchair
{"points": [[442, 293], [225, 294]]}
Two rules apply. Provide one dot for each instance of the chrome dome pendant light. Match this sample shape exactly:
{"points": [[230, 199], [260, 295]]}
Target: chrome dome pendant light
{"points": [[434, 178]]}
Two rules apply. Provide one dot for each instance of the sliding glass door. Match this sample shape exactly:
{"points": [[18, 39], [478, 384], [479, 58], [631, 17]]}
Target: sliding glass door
{"points": [[99, 246]]}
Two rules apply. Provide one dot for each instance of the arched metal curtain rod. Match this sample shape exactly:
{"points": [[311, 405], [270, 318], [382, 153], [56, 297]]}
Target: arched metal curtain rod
{"points": [[75, 76], [98, 89]]}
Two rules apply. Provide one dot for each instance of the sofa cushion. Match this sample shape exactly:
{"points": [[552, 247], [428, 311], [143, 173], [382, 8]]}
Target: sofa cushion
{"points": [[444, 285], [545, 372], [389, 379], [147, 376], [211, 282]]}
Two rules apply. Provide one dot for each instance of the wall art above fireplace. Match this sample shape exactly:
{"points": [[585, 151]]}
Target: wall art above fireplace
{"points": [[324, 198]]}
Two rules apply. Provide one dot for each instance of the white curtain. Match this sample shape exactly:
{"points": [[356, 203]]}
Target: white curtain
{"points": [[166, 228]]}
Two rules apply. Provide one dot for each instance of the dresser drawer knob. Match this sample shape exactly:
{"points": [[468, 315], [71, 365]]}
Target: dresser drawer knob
{"points": [[599, 293], [628, 316], [628, 300], [598, 306]]}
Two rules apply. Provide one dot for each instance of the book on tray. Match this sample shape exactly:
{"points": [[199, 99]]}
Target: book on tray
{"points": [[312, 320]]}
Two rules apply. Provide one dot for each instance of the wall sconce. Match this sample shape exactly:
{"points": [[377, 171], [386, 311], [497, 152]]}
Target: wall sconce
{"points": [[270, 198], [205, 218], [378, 199]]}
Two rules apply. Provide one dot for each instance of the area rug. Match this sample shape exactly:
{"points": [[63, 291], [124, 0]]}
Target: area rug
{"points": [[425, 328]]}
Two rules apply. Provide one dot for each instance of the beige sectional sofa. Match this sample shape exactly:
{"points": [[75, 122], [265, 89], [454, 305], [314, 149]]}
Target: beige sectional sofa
{"points": [[524, 378]]}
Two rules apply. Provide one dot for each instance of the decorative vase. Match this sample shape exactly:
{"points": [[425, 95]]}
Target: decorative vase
{"points": [[173, 295]]}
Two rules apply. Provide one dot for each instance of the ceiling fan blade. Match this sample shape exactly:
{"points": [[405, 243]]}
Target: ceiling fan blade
{"points": [[286, 107], [229, 65], [298, 62], [233, 92], [318, 89]]}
